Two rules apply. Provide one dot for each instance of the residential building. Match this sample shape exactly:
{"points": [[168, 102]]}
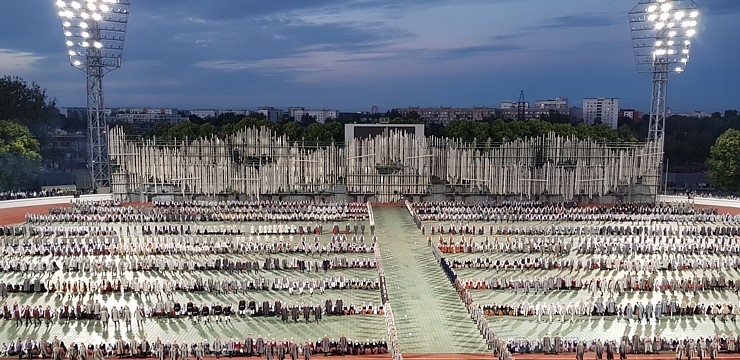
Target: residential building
{"points": [[241, 112], [601, 111], [696, 114], [509, 105], [204, 113], [80, 112], [632, 114], [270, 113], [321, 116], [559, 104], [444, 115], [212, 113], [146, 115]]}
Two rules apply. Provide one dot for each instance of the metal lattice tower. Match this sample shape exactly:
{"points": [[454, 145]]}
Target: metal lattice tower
{"points": [[95, 33], [521, 107], [662, 32]]}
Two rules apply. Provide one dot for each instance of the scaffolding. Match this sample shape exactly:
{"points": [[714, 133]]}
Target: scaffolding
{"points": [[257, 161]]}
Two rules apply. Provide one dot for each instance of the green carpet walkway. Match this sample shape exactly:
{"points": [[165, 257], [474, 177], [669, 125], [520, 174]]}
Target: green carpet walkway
{"points": [[429, 315]]}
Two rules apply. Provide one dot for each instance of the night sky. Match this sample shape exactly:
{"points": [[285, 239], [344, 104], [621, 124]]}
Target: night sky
{"points": [[352, 54]]}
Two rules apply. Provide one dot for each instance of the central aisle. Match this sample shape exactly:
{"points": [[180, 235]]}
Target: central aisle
{"points": [[429, 315]]}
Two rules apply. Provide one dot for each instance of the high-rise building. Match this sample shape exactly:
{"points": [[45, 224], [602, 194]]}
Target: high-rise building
{"points": [[601, 111], [374, 110]]}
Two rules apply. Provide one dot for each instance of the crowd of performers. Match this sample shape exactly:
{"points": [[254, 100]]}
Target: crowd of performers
{"points": [[182, 245], [259, 346], [228, 211], [651, 265], [110, 265], [610, 285], [638, 311], [154, 287], [104, 264], [676, 250], [506, 212], [82, 259], [588, 229], [188, 229], [27, 315], [683, 348], [725, 245]]}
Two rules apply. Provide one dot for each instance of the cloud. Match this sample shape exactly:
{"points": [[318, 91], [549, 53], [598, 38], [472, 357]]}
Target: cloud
{"points": [[227, 10], [472, 51], [723, 7], [14, 61], [586, 20]]}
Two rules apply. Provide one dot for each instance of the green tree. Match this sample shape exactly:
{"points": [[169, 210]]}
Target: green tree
{"points": [[314, 132], [206, 130], [461, 129], [724, 161], [333, 131], [20, 159], [26, 104], [161, 130], [184, 129], [308, 120], [293, 130]]}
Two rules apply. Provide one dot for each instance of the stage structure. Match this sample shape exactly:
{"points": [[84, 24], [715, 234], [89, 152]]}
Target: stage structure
{"points": [[95, 32], [662, 32], [257, 163]]}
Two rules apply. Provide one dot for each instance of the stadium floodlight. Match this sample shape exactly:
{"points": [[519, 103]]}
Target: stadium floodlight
{"points": [[94, 33], [662, 34]]}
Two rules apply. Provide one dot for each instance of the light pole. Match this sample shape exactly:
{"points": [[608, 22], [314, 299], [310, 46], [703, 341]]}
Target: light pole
{"points": [[95, 32], [662, 32]]}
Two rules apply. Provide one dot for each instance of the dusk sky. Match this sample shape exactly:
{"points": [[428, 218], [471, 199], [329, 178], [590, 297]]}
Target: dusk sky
{"points": [[352, 54]]}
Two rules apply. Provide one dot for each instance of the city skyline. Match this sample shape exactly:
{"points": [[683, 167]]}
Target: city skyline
{"points": [[351, 55]]}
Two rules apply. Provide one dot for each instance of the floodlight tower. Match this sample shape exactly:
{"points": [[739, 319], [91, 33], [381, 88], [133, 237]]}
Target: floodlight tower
{"points": [[95, 32], [662, 31]]}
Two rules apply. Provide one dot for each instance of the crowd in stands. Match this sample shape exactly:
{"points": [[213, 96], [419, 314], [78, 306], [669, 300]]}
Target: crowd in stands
{"points": [[714, 196], [18, 194]]}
